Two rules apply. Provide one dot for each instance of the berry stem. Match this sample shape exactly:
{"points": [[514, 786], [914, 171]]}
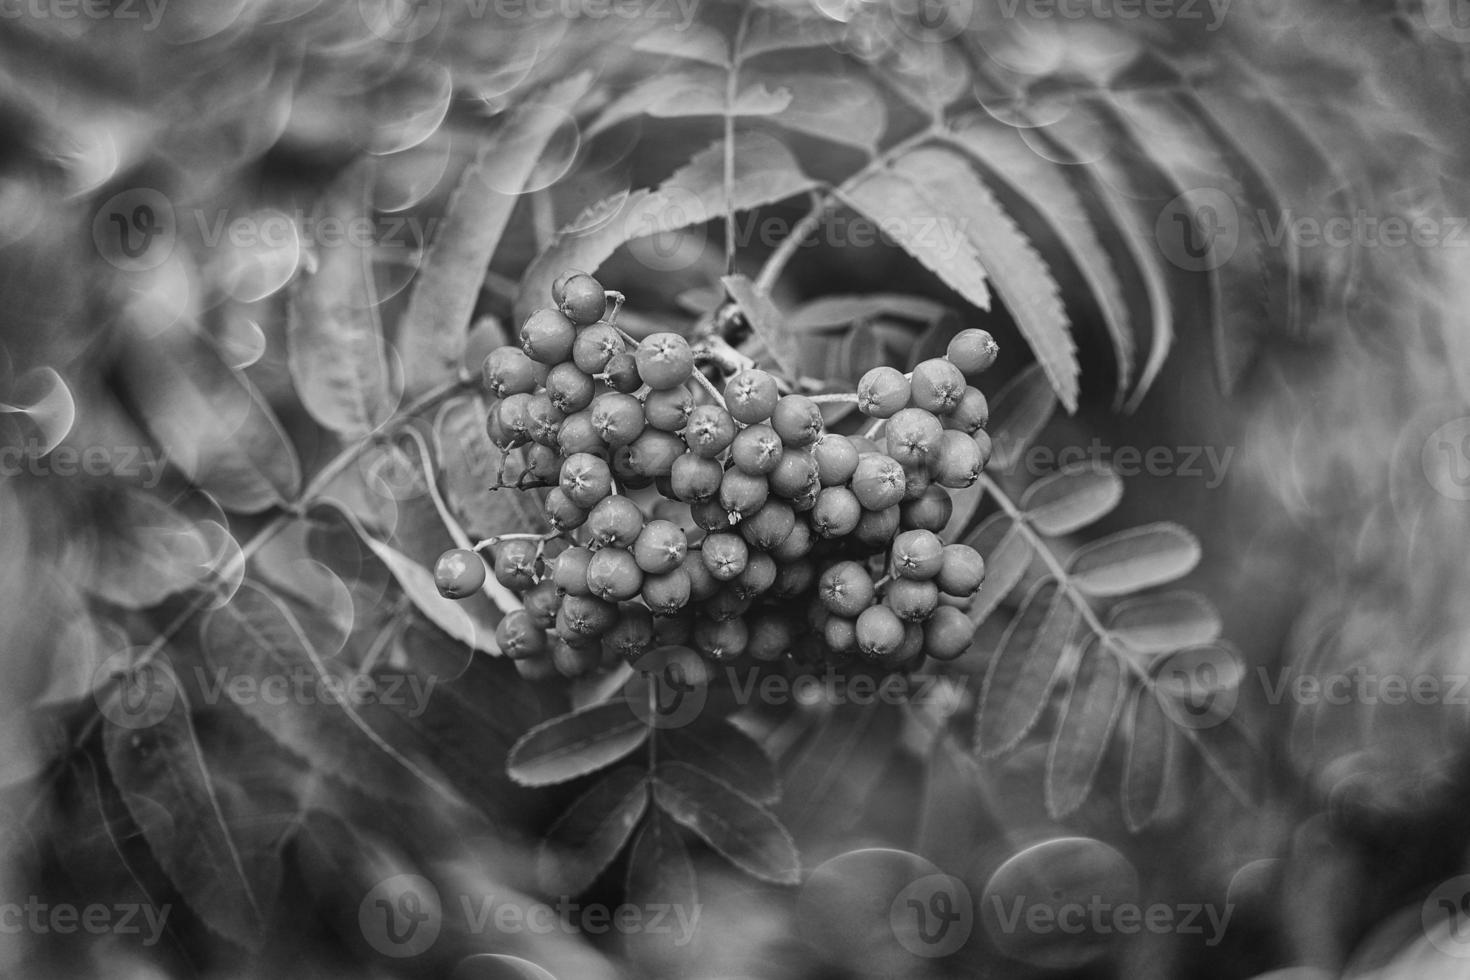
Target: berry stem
{"points": [[836, 398], [709, 387], [618, 299], [491, 542]]}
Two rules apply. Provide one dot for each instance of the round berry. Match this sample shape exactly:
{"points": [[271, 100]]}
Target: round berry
{"points": [[743, 493], [612, 574], [917, 555], [912, 436], [912, 600], [654, 453], [711, 515], [794, 578], [983, 442], [660, 547], [973, 351], [846, 589], [837, 459], [960, 462], [879, 481], [667, 592], [771, 636], [518, 637], [536, 669], [543, 467], [618, 418], [751, 395], [578, 435], [559, 285], [910, 653], [572, 661], [561, 513], [795, 474], [673, 629], [758, 577], [724, 554], [585, 479], [514, 413], [632, 635], [720, 639], [937, 386], [459, 573], [876, 528], [796, 544], [508, 371], [836, 512], [882, 391], [962, 572], [583, 300], [710, 430], [702, 583], [696, 478], [971, 414], [614, 522], [664, 360], [569, 570], [797, 420], [547, 336], [541, 603], [622, 373], [669, 409], [930, 512], [595, 346], [769, 526], [544, 419], [757, 449], [587, 615], [840, 632], [879, 633], [515, 565], [948, 633]]}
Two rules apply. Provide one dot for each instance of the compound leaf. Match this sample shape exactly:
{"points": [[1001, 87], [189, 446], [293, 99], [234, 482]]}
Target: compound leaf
{"points": [[576, 744], [740, 829], [1135, 559]]}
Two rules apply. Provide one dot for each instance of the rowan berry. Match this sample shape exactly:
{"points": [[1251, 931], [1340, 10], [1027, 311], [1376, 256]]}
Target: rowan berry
{"points": [[971, 414], [595, 346], [879, 632], [937, 386], [720, 639], [584, 301], [585, 479], [660, 547], [756, 449], [751, 395], [695, 478], [710, 431], [568, 388], [618, 418], [917, 555], [614, 522], [547, 336], [515, 565], [837, 459], [948, 633], [768, 527], [836, 512], [667, 592], [653, 454], [912, 436], [962, 572], [459, 573], [669, 409], [665, 360], [879, 481], [622, 373], [846, 589], [743, 493], [518, 637], [507, 371], [973, 351], [882, 391], [960, 462], [797, 420], [724, 554], [914, 601]]}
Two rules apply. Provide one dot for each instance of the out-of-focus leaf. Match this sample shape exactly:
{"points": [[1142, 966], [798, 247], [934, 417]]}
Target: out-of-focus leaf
{"points": [[1084, 729], [1007, 554], [839, 312], [733, 824], [1024, 670], [576, 744], [434, 328], [1018, 413], [1148, 739], [334, 337], [828, 783], [588, 836], [765, 321], [149, 552], [660, 875], [845, 109], [1013, 266], [955, 815], [1135, 559], [694, 92], [210, 420], [1163, 623], [161, 773], [774, 29], [1071, 499], [720, 749], [765, 172], [697, 42], [468, 462], [929, 76]]}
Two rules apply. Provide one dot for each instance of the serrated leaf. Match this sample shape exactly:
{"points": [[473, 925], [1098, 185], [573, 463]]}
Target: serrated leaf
{"points": [[211, 422], [766, 322], [765, 172], [921, 227], [660, 875], [1018, 413], [930, 76], [1089, 712], [147, 552], [576, 744], [1017, 272], [1043, 185], [844, 109], [417, 583], [697, 42], [741, 830], [724, 751], [1164, 622], [839, 312], [773, 29], [1071, 499], [334, 337], [1133, 560], [468, 462], [588, 836], [435, 326], [694, 92], [1148, 738], [1020, 677], [167, 787], [1008, 555]]}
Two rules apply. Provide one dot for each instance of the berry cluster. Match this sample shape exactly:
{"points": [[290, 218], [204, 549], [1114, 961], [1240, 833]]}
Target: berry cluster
{"points": [[798, 542]]}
